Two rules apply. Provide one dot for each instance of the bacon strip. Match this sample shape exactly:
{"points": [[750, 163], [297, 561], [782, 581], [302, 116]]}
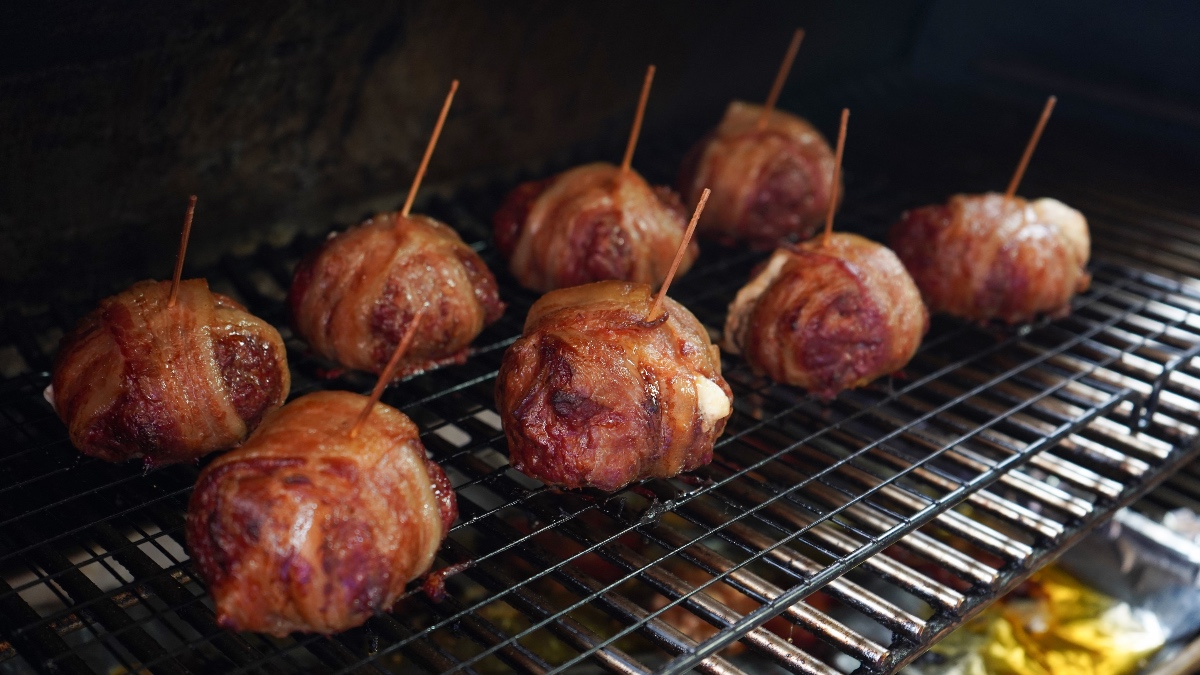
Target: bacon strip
{"points": [[354, 297], [591, 223], [987, 257], [767, 184], [828, 318], [304, 529], [593, 395], [138, 378]]}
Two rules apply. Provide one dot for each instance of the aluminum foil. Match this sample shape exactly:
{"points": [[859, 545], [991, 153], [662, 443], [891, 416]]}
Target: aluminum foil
{"points": [[1152, 565], [1052, 625], [1108, 607]]}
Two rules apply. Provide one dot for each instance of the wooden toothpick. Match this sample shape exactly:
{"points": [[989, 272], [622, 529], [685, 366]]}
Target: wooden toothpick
{"points": [[687, 238], [1033, 141], [437, 131], [637, 121], [183, 242], [837, 176], [780, 77], [386, 376]]}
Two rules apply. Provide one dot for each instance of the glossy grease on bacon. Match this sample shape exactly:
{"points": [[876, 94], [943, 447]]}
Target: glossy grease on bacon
{"points": [[304, 529], [987, 257], [136, 378], [828, 318], [593, 395], [591, 223], [354, 297], [767, 184]]}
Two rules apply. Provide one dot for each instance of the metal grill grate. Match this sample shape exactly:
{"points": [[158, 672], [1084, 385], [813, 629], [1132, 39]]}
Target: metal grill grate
{"points": [[823, 538]]}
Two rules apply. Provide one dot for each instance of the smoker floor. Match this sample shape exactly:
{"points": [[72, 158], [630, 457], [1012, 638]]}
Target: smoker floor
{"points": [[823, 538]]}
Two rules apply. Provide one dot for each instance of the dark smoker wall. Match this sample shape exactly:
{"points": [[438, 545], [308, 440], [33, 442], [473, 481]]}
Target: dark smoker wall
{"points": [[300, 116], [1126, 73], [1136, 63], [286, 116]]}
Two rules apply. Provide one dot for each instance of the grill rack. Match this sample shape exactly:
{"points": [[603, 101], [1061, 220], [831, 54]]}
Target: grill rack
{"points": [[891, 515]]}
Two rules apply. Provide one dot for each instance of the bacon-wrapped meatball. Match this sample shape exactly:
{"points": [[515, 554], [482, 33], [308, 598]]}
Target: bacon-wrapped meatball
{"points": [[594, 395], [303, 528], [988, 257], [767, 184], [828, 318], [354, 297], [136, 378], [591, 223]]}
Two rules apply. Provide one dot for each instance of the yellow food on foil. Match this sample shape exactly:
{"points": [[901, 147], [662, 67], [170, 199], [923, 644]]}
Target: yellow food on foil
{"points": [[1052, 625]]}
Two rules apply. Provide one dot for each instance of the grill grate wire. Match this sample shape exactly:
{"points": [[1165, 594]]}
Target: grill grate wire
{"points": [[822, 539]]}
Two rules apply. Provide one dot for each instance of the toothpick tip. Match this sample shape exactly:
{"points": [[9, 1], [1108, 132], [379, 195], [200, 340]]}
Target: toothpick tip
{"points": [[385, 377], [1015, 182], [781, 75], [433, 138], [183, 242], [627, 160], [837, 174], [683, 245]]}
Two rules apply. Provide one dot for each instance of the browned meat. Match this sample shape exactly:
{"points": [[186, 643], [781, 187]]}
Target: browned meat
{"points": [[828, 318], [304, 529], [985, 257], [591, 223], [593, 395], [354, 297], [136, 378], [767, 184]]}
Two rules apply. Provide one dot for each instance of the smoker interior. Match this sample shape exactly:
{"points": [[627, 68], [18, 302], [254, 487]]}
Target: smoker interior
{"points": [[824, 538], [838, 537]]}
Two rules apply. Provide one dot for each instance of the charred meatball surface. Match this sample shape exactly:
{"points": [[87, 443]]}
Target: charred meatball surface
{"points": [[595, 395]]}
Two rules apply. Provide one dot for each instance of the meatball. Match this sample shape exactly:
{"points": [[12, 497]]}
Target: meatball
{"points": [[768, 184], [305, 529], [136, 378], [988, 257], [354, 297], [592, 223], [828, 318], [595, 395]]}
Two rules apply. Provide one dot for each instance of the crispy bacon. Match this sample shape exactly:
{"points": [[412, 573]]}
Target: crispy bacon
{"points": [[767, 184], [593, 395], [136, 378], [591, 223], [304, 529], [828, 318], [354, 297], [987, 257]]}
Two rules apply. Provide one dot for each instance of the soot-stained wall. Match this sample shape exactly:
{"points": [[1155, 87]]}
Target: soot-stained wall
{"points": [[308, 115]]}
